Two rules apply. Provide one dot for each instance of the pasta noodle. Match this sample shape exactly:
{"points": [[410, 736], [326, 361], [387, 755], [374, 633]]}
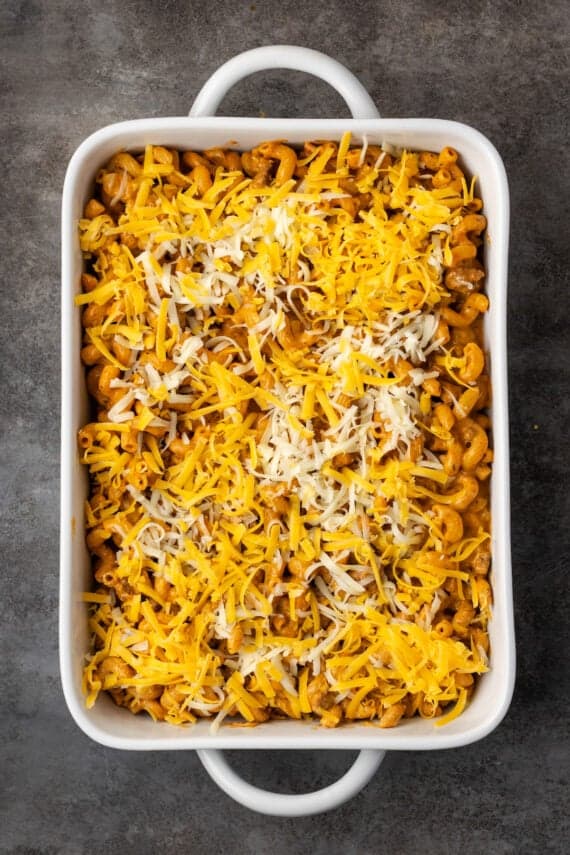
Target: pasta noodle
{"points": [[289, 455]]}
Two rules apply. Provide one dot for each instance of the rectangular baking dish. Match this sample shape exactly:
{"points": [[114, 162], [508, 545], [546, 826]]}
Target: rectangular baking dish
{"points": [[116, 727]]}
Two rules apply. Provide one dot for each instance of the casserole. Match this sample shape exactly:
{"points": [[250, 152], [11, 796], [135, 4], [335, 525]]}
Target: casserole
{"points": [[115, 727]]}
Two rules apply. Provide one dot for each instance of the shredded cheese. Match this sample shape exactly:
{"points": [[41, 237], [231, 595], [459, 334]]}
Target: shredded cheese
{"points": [[262, 473]]}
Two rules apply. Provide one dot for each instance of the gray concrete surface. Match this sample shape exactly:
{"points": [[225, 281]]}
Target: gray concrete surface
{"points": [[68, 68]]}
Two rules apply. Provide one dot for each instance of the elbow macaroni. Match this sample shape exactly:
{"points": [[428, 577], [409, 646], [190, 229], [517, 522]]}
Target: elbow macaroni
{"points": [[288, 454]]}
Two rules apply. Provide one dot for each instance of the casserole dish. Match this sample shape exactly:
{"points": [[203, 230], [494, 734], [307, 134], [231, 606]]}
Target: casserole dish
{"points": [[115, 727]]}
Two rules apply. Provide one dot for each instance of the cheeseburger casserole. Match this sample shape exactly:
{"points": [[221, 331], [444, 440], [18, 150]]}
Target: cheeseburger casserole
{"points": [[288, 451]]}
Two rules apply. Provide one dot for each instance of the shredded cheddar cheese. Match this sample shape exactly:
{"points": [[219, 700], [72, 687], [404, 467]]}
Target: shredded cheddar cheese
{"points": [[284, 521]]}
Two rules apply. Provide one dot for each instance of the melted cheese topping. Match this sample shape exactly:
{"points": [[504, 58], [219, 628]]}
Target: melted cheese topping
{"points": [[259, 475]]}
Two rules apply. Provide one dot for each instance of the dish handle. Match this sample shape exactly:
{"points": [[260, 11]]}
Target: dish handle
{"points": [[283, 804], [296, 58]]}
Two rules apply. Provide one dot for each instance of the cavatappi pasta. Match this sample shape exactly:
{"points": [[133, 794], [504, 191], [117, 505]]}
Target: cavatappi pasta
{"points": [[289, 454]]}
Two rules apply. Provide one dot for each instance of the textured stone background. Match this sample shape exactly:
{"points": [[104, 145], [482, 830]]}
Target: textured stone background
{"points": [[69, 68]]}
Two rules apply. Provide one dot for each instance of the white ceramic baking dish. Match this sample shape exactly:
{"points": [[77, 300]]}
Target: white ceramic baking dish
{"points": [[116, 727]]}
